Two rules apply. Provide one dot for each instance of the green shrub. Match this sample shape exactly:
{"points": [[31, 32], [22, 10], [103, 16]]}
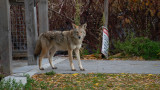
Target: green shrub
{"points": [[139, 46], [97, 52], [83, 52], [1, 76]]}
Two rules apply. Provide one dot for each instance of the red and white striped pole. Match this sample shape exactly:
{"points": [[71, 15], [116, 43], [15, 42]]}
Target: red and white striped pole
{"points": [[105, 42]]}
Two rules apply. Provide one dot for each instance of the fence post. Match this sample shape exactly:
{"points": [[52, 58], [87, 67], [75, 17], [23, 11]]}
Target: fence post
{"points": [[31, 30], [106, 12], [105, 40], [5, 37], [43, 16]]}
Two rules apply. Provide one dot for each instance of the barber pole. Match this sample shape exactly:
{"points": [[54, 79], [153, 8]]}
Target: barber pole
{"points": [[105, 42]]}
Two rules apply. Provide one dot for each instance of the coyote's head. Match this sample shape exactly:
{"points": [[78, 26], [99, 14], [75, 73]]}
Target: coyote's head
{"points": [[79, 32]]}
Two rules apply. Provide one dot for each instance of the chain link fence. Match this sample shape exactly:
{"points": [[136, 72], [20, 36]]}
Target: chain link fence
{"points": [[18, 30]]}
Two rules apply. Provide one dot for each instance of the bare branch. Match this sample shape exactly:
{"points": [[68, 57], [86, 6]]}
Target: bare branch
{"points": [[61, 6], [62, 15]]}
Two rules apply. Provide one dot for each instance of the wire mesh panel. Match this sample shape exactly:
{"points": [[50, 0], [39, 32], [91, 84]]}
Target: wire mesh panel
{"points": [[18, 30]]}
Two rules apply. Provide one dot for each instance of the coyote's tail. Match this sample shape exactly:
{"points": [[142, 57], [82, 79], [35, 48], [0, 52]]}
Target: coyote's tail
{"points": [[38, 47]]}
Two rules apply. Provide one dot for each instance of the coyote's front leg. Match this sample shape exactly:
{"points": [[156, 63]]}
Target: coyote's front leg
{"points": [[79, 60], [71, 60]]}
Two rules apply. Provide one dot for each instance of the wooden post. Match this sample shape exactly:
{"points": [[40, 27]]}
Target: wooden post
{"points": [[105, 40], [43, 16], [106, 12], [5, 37], [31, 29]]}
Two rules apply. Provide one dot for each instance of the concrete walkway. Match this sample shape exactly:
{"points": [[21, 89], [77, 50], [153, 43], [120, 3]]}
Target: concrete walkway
{"points": [[114, 66], [91, 66]]}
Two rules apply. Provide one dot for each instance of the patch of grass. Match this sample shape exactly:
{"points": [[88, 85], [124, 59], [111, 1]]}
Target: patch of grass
{"points": [[50, 73]]}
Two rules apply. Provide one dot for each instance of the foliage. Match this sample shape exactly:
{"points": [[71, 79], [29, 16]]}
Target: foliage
{"points": [[50, 73], [29, 83], [139, 46], [83, 52], [86, 55], [10, 85], [1, 76], [97, 53], [138, 16]]}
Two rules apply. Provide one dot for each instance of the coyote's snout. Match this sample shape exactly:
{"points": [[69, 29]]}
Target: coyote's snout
{"points": [[53, 41]]}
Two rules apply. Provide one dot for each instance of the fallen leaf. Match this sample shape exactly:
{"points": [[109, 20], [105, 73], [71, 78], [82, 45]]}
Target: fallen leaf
{"points": [[96, 84], [75, 74]]}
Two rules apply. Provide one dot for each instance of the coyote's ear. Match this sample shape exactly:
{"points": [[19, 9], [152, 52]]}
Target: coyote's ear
{"points": [[84, 25], [74, 26]]}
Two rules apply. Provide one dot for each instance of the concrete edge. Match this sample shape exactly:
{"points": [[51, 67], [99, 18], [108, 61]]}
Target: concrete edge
{"points": [[21, 78]]}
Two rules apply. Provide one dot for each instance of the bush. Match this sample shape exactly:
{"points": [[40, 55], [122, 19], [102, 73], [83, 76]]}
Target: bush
{"points": [[139, 46]]}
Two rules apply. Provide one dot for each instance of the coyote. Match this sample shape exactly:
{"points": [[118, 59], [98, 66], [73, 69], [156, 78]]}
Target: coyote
{"points": [[52, 41]]}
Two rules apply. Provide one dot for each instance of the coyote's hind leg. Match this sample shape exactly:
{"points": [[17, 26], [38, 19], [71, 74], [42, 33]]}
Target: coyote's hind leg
{"points": [[43, 53], [52, 52]]}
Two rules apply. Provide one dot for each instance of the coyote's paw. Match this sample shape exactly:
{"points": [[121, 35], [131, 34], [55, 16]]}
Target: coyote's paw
{"points": [[41, 68], [54, 67], [82, 69], [73, 69]]}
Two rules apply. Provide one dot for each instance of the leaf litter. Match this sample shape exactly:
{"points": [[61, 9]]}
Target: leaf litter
{"points": [[100, 81]]}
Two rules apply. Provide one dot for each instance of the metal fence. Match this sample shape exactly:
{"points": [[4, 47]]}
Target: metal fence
{"points": [[18, 30]]}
